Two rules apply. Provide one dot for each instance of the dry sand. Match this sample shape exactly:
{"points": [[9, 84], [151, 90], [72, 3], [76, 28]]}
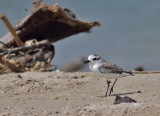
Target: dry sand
{"points": [[76, 94]]}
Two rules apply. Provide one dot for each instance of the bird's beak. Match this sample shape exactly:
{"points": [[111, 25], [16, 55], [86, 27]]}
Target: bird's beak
{"points": [[87, 61]]}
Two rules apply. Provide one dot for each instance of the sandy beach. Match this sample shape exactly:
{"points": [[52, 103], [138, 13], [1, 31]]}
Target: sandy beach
{"points": [[76, 94]]}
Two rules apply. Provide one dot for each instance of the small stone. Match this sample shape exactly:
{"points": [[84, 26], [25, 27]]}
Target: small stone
{"points": [[56, 98], [56, 112], [19, 76]]}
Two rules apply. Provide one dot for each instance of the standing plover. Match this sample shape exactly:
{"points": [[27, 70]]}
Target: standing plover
{"points": [[99, 65]]}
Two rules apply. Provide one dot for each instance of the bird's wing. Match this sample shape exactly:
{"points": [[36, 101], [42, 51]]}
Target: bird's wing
{"points": [[110, 68]]}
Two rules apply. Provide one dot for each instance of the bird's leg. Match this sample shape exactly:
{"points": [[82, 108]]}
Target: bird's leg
{"points": [[111, 90], [108, 83]]}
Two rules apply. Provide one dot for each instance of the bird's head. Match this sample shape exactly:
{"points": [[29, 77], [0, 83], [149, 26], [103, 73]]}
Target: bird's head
{"points": [[93, 58]]}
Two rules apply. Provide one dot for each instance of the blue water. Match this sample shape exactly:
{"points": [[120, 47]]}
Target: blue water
{"points": [[129, 35]]}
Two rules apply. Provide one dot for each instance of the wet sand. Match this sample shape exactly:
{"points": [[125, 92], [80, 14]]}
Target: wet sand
{"points": [[59, 93]]}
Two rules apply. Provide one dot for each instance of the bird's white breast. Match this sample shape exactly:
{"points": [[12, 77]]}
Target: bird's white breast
{"points": [[94, 67]]}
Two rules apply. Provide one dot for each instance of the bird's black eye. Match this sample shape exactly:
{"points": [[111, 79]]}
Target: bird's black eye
{"points": [[94, 59]]}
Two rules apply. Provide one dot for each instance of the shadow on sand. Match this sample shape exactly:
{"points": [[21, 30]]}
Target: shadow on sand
{"points": [[118, 94], [128, 93]]}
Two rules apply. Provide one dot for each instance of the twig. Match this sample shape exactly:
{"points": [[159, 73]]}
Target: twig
{"points": [[4, 44], [10, 28]]}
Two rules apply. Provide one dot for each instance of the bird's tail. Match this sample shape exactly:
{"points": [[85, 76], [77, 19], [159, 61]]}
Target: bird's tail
{"points": [[129, 72]]}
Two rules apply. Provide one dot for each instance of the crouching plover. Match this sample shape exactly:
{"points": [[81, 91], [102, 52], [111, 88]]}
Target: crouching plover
{"points": [[99, 65]]}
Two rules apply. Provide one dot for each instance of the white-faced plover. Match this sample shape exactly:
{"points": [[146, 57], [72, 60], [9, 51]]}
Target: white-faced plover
{"points": [[99, 65]]}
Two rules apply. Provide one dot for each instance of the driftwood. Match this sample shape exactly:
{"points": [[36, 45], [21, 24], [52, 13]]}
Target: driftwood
{"points": [[26, 48], [145, 72], [45, 25], [10, 65], [27, 58], [48, 22], [13, 65]]}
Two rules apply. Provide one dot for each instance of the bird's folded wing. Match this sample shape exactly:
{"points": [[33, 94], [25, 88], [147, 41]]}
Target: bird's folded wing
{"points": [[110, 68]]}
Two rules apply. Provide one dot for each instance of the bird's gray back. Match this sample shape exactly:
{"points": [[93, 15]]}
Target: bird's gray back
{"points": [[107, 67]]}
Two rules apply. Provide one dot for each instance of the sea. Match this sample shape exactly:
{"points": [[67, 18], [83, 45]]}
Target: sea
{"points": [[129, 35]]}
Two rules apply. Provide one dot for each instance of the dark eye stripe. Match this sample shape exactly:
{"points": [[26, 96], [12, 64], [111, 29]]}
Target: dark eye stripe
{"points": [[94, 59]]}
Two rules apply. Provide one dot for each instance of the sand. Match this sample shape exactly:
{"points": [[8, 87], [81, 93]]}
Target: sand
{"points": [[76, 94]]}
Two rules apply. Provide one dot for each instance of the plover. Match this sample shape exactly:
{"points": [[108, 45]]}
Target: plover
{"points": [[99, 65]]}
